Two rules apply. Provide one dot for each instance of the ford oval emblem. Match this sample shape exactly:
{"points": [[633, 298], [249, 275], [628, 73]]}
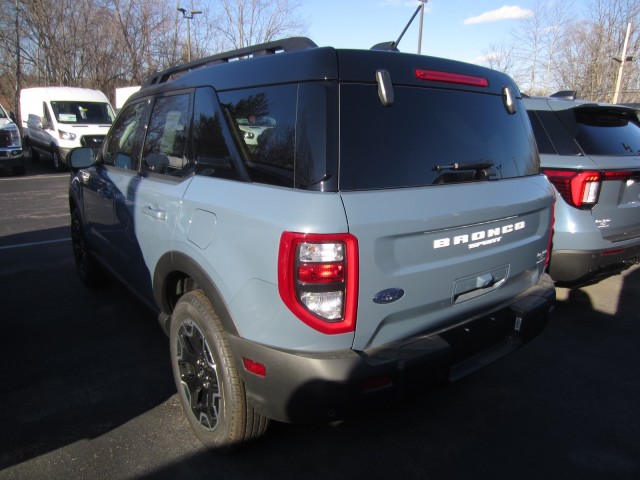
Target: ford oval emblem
{"points": [[388, 296]]}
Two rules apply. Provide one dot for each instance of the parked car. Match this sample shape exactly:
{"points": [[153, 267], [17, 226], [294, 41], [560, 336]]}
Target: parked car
{"points": [[591, 154], [57, 119], [10, 145], [339, 260]]}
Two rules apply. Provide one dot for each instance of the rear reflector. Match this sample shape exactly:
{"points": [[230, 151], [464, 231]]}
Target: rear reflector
{"points": [[374, 384], [447, 77], [254, 367], [614, 251]]}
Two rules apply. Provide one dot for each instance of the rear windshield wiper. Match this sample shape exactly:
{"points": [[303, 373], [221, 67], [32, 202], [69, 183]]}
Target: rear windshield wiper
{"points": [[477, 166]]}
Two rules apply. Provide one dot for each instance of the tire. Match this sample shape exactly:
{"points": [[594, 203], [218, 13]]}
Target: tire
{"points": [[56, 159], [89, 270], [210, 389]]}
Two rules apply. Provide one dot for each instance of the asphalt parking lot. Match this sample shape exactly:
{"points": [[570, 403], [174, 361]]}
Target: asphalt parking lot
{"points": [[87, 391]]}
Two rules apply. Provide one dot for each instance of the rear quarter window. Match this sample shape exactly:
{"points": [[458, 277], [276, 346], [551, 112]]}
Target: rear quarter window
{"points": [[263, 123], [402, 145]]}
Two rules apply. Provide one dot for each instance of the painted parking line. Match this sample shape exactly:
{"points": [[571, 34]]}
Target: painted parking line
{"points": [[34, 177], [32, 244]]}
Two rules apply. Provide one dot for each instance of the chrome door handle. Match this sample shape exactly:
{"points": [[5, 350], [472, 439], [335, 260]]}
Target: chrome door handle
{"points": [[159, 214]]}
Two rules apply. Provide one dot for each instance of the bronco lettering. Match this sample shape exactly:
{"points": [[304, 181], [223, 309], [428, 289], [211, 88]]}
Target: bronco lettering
{"points": [[480, 238]]}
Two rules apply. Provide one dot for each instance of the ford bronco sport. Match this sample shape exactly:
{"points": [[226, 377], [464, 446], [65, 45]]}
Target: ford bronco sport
{"points": [[591, 154], [384, 227]]}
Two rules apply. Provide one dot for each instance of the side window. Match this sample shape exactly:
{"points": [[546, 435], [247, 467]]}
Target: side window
{"points": [[47, 115], [164, 149], [263, 122], [559, 126], [119, 145], [208, 143], [542, 139]]}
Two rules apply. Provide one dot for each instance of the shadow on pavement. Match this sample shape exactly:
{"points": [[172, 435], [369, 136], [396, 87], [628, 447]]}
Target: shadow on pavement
{"points": [[79, 363], [564, 406], [76, 362]]}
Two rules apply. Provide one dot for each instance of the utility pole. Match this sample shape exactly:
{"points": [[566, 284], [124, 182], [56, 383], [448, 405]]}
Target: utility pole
{"points": [[622, 60], [16, 103]]}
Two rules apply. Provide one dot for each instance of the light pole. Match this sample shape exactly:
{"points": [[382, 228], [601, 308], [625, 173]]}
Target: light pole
{"points": [[624, 58], [421, 22], [16, 103], [189, 16]]}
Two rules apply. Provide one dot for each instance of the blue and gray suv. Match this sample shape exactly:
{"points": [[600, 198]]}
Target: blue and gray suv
{"points": [[591, 154], [319, 230]]}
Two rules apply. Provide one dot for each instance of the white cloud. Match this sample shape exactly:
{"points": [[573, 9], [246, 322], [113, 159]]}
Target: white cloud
{"points": [[503, 13], [489, 57]]}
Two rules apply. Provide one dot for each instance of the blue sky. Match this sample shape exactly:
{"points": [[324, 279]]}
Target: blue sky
{"points": [[459, 29]]}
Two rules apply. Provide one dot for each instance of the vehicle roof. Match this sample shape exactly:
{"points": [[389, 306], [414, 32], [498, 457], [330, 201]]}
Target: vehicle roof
{"points": [[66, 93], [558, 103], [327, 63]]}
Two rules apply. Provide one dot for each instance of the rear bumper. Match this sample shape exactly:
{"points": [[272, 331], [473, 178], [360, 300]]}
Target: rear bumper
{"points": [[302, 386], [576, 267]]}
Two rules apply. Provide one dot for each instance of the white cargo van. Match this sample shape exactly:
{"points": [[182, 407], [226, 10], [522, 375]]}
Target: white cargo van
{"points": [[57, 119], [122, 94]]}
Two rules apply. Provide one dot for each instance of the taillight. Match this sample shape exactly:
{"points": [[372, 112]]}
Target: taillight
{"points": [[318, 279], [619, 175], [578, 188], [581, 188], [547, 257], [448, 77]]}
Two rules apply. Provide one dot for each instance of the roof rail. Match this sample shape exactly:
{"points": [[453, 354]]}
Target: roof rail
{"points": [[285, 45]]}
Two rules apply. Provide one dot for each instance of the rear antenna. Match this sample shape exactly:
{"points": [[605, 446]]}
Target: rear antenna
{"points": [[393, 46]]}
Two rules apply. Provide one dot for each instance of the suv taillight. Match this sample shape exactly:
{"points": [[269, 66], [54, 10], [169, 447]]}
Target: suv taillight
{"points": [[579, 189], [318, 279]]}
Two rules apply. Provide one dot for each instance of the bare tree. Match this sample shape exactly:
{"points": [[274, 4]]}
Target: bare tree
{"points": [[592, 68], [247, 22], [554, 51], [501, 57], [104, 44], [537, 43]]}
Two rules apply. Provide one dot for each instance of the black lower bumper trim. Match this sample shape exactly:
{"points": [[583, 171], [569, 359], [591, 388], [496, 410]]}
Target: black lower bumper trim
{"points": [[302, 386], [577, 267]]}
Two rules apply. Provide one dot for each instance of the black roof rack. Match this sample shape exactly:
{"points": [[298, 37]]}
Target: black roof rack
{"points": [[285, 45]]}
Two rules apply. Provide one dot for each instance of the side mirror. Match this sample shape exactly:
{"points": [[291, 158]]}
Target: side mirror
{"points": [[81, 157], [12, 116]]}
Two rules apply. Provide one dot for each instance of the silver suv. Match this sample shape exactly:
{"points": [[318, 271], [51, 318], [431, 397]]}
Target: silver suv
{"points": [[591, 154], [320, 230], [11, 155]]}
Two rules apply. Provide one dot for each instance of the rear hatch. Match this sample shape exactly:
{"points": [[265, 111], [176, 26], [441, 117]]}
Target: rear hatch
{"points": [[604, 142], [442, 188]]}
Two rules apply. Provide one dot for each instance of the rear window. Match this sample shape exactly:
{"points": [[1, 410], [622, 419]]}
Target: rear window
{"points": [[587, 130], [607, 132], [404, 144]]}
